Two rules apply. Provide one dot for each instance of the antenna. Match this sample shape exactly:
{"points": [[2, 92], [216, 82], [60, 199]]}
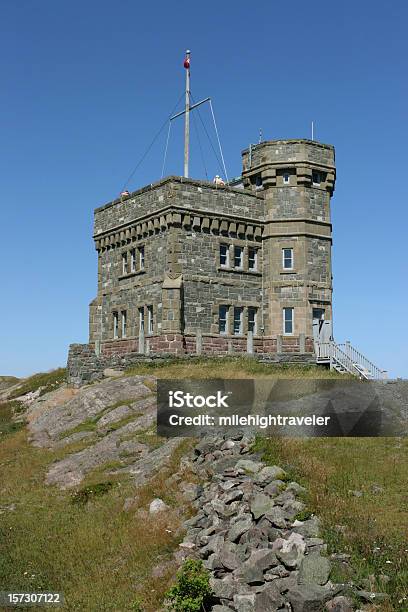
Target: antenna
{"points": [[260, 136], [187, 114], [312, 130]]}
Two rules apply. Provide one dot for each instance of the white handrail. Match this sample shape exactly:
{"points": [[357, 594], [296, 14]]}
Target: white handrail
{"points": [[348, 358]]}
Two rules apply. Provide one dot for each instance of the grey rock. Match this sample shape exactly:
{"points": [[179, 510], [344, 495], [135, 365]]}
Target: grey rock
{"points": [[245, 602], [233, 495], [223, 588], [276, 517], [296, 488], [268, 599], [275, 487], [260, 505], [228, 556], [371, 597], [309, 528], [239, 528], [268, 474], [291, 551], [263, 558], [340, 604], [221, 609], [308, 598], [314, 569], [158, 505], [248, 466]]}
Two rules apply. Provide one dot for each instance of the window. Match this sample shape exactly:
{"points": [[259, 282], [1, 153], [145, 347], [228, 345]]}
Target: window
{"points": [[237, 321], [141, 319], [124, 263], [115, 325], [150, 320], [287, 259], [318, 313], [316, 177], [252, 258], [288, 321], [223, 320], [141, 258], [238, 257], [224, 255], [252, 319], [133, 260], [124, 323], [286, 178], [258, 181]]}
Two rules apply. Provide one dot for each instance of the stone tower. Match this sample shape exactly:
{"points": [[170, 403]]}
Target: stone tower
{"points": [[297, 178], [191, 267]]}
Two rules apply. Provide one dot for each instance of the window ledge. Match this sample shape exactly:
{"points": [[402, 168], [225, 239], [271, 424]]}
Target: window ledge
{"points": [[288, 271], [239, 271], [131, 274]]}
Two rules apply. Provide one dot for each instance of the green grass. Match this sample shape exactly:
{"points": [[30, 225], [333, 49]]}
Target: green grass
{"points": [[47, 380], [229, 367], [99, 556], [373, 526]]}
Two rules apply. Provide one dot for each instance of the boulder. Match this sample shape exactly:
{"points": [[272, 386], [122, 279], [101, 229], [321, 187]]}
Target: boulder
{"points": [[248, 466], [308, 598], [291, 551], [260, 505], [314, 569], [158, 505], [268, 474], [340, 604], [239, 528]]}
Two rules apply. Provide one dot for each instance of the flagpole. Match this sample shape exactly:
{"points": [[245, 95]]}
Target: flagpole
{"points": [[187, 115]]}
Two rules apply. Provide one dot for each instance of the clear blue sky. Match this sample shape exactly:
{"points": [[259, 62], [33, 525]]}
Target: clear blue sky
{"points": [[85, 87]]}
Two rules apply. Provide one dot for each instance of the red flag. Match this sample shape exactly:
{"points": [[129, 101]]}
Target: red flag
{"points": [[187, 62]]}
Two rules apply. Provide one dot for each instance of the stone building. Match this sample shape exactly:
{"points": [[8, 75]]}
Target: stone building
{"points": [[186, 266]]}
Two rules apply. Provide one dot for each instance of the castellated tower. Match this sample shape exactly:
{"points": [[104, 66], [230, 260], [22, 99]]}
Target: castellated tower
{"points": [[187, 266], [297, 178]]}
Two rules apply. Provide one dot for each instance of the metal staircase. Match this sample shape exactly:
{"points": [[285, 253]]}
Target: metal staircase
{"points": [[345, 358]]}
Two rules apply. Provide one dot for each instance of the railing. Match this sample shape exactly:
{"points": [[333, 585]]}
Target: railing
{"points": [[359, 359], [349, 358]]}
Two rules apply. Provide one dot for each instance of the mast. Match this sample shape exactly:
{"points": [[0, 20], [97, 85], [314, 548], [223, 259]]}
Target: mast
{"points": [[187, 115]]}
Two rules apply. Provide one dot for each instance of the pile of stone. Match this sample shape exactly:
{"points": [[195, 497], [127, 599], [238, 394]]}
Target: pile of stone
{"points": [[247, 532]]}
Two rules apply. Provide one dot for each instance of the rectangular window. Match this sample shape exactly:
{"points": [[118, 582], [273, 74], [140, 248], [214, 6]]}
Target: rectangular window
{"points": [[252, 320], [115, 325], [223, 320], [252, 259], [318, 313], [124, 323], [141, 319], [133, 260], [124, 263], [238, 321], [150, 320], [288, 315], [224, 255], [316, 177], [238, 257], [287, 259], [141, 258], [286, 178]]}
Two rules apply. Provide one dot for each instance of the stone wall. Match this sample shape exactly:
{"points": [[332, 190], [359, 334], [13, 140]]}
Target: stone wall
{"points": [[86, 365]]}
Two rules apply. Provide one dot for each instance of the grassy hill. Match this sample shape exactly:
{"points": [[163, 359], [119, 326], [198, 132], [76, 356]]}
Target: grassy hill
{"points": [[97, 543]]}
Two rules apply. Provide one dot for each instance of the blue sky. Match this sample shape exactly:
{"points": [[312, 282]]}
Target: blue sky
{"points": [[86, 85]]}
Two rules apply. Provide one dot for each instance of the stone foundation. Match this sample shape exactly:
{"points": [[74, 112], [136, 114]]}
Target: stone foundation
{"points": [[87, 362]]}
